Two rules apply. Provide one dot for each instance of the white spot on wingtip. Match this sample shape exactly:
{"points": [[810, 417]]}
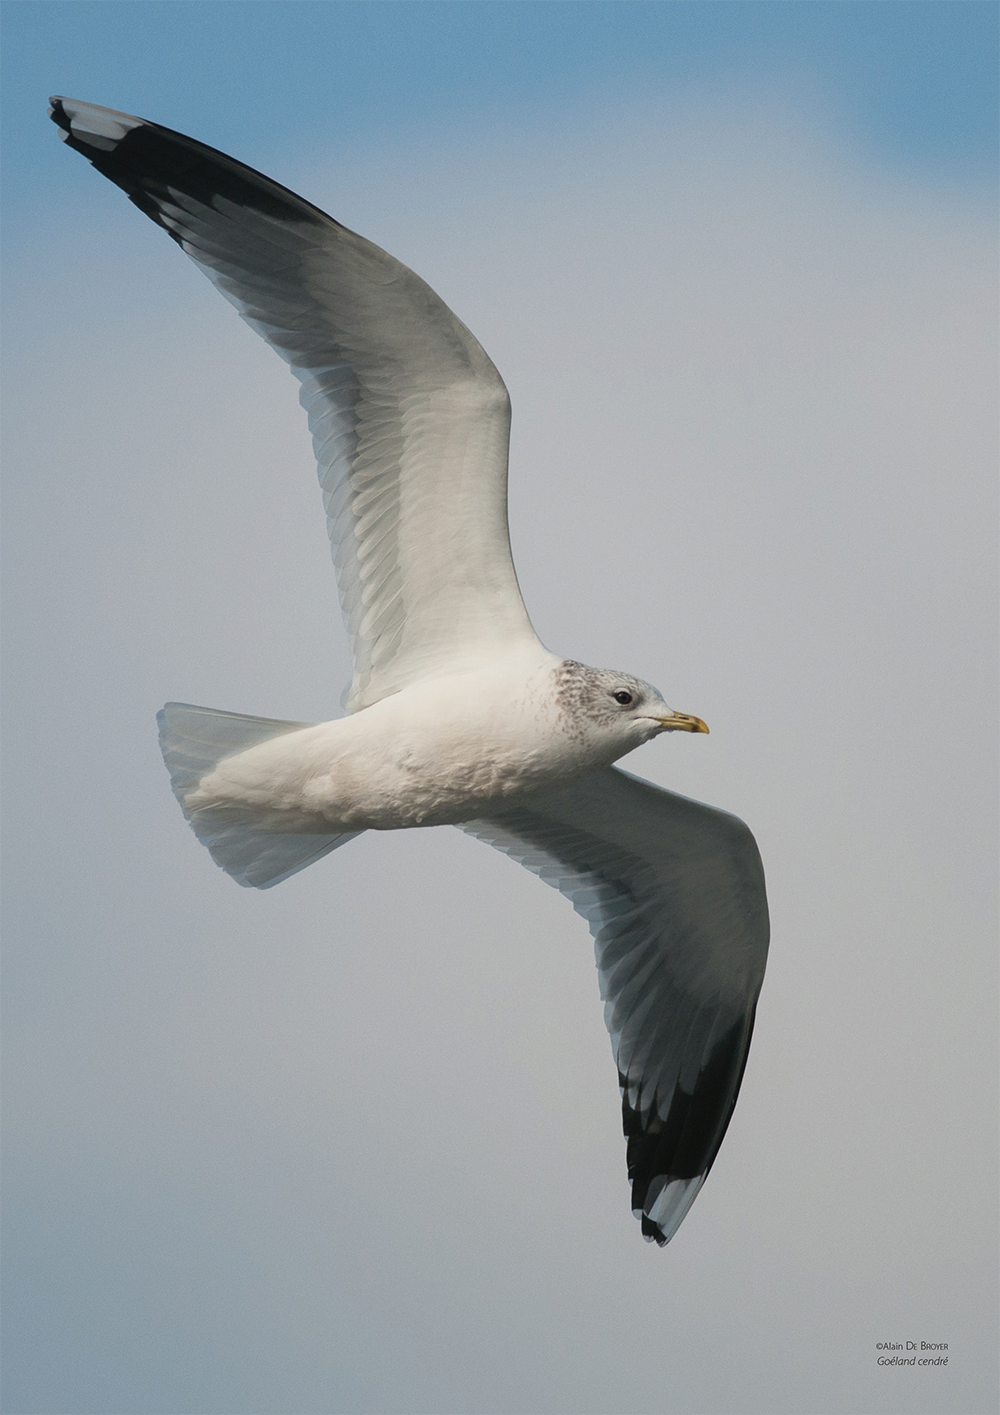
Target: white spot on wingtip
{"points": [[97, 127], [671, 1203]]}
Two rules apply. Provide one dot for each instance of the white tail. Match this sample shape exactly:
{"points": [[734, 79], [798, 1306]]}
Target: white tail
{"points": [[193, 741]]}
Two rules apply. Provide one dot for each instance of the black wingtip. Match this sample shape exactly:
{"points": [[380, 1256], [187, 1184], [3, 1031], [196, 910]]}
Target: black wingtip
{"points": [[95, 132], [680, 1147], [148, 161], [653, 1233], [58, 114]]}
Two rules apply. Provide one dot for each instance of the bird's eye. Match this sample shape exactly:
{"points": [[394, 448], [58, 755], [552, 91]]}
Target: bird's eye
{"points": [[622, 697]]}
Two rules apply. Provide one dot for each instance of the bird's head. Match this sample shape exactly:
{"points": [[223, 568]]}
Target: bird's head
{"points": [[615, 709]]}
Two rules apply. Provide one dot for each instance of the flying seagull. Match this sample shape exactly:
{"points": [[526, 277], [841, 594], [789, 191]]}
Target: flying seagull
{"points": [[457, 714]]}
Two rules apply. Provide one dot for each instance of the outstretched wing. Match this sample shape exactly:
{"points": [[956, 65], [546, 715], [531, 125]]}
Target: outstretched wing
{"points": [[409, 417], [674, 895]]}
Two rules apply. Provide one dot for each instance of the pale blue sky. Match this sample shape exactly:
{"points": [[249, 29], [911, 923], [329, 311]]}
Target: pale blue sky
{"points": [[913, 84], [354, 1145]]}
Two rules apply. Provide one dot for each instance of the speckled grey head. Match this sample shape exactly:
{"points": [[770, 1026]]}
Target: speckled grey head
{"points": [[603, 698]]}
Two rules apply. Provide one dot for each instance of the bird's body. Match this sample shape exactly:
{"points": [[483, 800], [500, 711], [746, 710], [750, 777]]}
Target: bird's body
{"points": [[457, 714], [415, 758]]}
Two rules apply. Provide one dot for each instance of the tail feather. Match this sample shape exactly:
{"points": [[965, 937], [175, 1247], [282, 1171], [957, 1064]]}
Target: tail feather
{"points": [[193, 741]]}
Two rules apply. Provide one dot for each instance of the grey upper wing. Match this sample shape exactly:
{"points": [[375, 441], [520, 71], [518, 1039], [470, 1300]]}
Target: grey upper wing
{"points": [[410, 419], [674, 895]]}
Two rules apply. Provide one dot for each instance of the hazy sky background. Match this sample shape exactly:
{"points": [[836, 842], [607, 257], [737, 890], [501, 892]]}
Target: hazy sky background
{"points": [[354, 1144]]}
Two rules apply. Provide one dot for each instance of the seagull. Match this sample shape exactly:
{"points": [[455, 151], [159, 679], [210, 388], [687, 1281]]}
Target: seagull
{"points": [[457, 714]]}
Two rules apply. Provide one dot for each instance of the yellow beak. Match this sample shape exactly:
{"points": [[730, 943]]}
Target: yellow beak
{"points": [[681, 722]]}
